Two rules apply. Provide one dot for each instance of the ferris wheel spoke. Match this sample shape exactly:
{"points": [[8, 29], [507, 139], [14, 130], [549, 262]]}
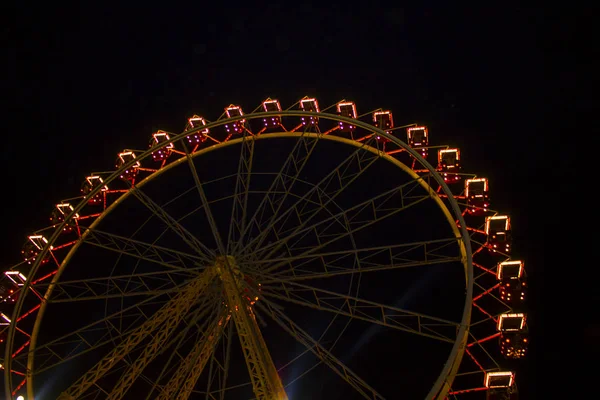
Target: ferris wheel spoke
{"points": [[90, 337], [351, 261], [239, 208], [203, 309], [342, 176], [150, 252], [164, 321], [359, 217], [205, 203], [369, 311], [194, 364], [282, 184], [172, 365], [222, 373], [140, 284], [325, 356], [200, 248]]}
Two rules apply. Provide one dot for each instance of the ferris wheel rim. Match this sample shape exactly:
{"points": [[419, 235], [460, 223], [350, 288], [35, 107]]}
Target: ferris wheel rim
{"points": [[458, 347]]}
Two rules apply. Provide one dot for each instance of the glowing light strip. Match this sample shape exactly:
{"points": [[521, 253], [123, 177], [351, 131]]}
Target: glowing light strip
{"points": [[165, 136], [93, 178], [508, 264], [347, 104], [10, 274], [488, 221], [311, 101], [503, 317], [384, 114], [128, 156], [499, 374], [468, 183], [69, 208], [269, 101]]}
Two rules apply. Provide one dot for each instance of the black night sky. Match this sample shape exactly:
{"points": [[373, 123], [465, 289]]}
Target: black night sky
{"points": [[82, 83]]}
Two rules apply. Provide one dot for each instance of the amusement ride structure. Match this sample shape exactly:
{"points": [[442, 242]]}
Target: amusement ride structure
{"points": [[267, 255]]}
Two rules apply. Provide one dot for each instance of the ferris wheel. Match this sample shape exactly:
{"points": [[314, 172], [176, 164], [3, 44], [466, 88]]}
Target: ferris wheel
{"points": [[274, 254]]}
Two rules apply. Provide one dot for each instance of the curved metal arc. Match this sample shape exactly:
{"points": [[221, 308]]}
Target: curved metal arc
{"points": [[460, 232]]}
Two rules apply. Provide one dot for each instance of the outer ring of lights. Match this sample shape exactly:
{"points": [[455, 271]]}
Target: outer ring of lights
{"points": [[446, 377]]}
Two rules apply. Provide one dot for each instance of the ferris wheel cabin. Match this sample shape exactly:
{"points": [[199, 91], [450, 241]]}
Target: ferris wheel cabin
{"points": [[449, 165], [60, 213], [33, 247], [238, 126], [196, 122], [418, 139], [92, 182], [309, 105], [513, 282], [513, 335], [500, 385], [497, 229], [477, 194], [130, 173], [347, 109], [163, 152], [270, 105], [384, 121]]}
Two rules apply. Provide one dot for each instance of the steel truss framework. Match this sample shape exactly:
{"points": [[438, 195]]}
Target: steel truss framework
{"points": [[286, 241]]}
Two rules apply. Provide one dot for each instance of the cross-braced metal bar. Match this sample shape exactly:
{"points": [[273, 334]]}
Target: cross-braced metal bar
{"points": [[265, 381], [163, 322]]}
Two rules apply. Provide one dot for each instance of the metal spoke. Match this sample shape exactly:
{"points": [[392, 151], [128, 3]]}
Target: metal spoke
{"points": [[197, 359], [359, 216], [369, 311], [335, 181], [110, 288], [205, 253], [242, 187], [78, 338], [180, 339], [372, 259], [322, 353], [165, 320], [150, 252], [265, 381], [205, 203], [176, 343], [282, 184]]}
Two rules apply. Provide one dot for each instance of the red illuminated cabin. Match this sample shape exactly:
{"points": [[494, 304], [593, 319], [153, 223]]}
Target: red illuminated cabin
{"points": [[418, 139], [59, 213], [513, 335], [130, 173], [512, 282], [497, 229], [237, 126], [347, 109], [199, 136], [500, 385], [449, 165], [309, 105], [384, 121], [92, 182], [477, 194], [161, 139], [32, 248], [270, 105], [9, 294]]}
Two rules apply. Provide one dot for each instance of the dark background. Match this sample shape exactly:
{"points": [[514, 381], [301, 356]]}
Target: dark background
{"points": [[508, 85]]}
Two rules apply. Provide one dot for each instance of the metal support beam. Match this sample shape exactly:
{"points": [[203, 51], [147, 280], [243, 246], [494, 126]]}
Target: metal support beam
{"points": [[195, 362], [265, 381], [164, 321]]}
